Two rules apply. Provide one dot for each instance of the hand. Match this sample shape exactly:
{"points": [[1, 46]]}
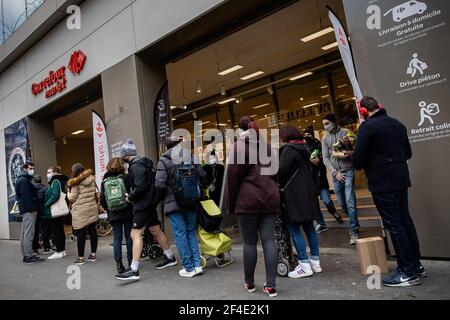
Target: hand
{"points": [[315, 161], [340, 177], [348, 154], [127, 200]]}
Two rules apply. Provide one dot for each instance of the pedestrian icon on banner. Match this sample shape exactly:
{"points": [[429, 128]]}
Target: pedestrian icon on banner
{"points": [[415, 65], [427, 112]]}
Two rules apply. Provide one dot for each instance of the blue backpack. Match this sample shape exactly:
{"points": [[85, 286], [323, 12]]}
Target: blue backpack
{"points": [[185, 183]]}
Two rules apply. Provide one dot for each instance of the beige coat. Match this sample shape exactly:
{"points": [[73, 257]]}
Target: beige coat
{"points": [[82, 195]]}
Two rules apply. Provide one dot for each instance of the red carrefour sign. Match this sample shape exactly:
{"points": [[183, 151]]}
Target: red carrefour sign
{"points": [[56, 81]]}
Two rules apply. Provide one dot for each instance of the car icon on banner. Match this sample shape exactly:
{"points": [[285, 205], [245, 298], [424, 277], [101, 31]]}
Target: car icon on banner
{"points": [[407, 10]]}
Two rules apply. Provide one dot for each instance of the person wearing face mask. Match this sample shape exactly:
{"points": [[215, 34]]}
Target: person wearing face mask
{"points": [[342, 171], [26, 196], [320, 178], [214, 174], [56, 186]]}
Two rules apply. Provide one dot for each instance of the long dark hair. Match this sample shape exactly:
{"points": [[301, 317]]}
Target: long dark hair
{"points": [[289, 133], [77, 169]]}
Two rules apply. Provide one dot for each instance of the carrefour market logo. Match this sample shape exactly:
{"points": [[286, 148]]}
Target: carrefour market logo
{"points": [[56, 81]]}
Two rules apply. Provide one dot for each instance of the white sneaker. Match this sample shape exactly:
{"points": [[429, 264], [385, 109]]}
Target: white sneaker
{"points": [[64, 253], [184, 273], [198, 270], [301, 271], [315, 266], [56, 255]]}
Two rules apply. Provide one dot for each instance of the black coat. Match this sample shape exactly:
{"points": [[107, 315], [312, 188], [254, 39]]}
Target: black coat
{"points": [[382, 150], [119, 214], [319, 171], [41, 189], [26, 194], [300, 202], [142, 180], [214, 175]]}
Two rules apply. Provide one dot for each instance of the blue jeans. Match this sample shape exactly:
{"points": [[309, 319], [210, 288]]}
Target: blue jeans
{"points": [[121, 227], [394, 211], [299, 241], [326, 198], [345, 195], [183, 225]]}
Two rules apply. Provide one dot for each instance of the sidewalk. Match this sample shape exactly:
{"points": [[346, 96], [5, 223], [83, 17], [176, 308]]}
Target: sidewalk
{"points": [[341, 278]]}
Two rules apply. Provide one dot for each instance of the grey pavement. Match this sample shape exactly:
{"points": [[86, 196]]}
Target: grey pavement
{"points": [[341, 278]]}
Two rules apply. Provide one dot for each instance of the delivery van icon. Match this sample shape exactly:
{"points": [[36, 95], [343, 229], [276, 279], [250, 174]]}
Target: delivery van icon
{"points": [[407, 10]]}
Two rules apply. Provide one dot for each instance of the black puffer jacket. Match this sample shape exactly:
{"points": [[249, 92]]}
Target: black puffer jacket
{"points": [[319, 171], [300, 202], [120, 214], [142, 180], [41, 189], [26, 194]]}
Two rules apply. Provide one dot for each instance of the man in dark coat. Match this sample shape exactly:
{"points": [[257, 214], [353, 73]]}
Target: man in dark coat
{"points": [[382, 150], [320, 177], [214, 173], [142, 196], [28, 205]]}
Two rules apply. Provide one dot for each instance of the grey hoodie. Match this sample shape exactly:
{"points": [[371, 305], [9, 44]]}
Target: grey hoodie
{"points": [[165, 170], [334, 165]]}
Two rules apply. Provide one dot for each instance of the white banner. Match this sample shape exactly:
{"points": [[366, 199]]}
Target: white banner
{"points": [[346, 54], [101, 151]]}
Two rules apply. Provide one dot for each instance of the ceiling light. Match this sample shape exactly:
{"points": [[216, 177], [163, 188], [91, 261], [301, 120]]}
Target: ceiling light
{"points": [[324, 87], [258, 73], [230, 70], [77, 132], [227, 100], [325, 96], [253, 115], [239, 100], [301, 99], [173, 107], [303, 75], [342, 86], [317, 34], [223, 91], [349, 99], [330, 46], [342, 95], [199, 87], [310, 105], [174, 119], [261, 106], [222, 124], [206, 122], [270, 90]]}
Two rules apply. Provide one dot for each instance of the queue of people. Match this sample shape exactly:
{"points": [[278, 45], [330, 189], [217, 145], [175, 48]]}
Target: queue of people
{"points": [[131, 196]]}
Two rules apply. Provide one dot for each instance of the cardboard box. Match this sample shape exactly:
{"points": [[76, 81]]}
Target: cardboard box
{"points": [[371, 252]]}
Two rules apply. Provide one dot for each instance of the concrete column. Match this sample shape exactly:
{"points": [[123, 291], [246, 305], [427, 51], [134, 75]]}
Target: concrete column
{"points": [[42, 144]]}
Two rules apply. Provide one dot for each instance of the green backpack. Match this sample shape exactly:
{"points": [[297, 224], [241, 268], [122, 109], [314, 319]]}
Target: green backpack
{"points": [[115, 193]]}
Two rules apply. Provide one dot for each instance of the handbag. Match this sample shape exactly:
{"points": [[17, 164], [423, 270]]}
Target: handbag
{"points": [[290, 180], [60, 207], [15, 210]]}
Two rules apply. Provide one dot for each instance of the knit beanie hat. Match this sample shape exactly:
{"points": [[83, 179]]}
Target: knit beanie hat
{"points": [[129, 148], [330, 117]]}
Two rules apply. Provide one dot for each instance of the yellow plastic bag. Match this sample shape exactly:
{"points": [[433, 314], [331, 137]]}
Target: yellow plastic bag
{"points": [[211, 208], [213, 244]]}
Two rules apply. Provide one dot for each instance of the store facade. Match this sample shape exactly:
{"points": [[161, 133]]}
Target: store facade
{"points": [[126, 51]]}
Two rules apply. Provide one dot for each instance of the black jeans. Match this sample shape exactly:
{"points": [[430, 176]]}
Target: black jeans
{"points": [[46, 232], [57, 226], [394, 211], [251, 225], [81, 240]]}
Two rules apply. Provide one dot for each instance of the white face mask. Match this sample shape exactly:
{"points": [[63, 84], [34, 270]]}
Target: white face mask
{"points": [[212, 160], [31, 172], [329, 127], [49, 176]]}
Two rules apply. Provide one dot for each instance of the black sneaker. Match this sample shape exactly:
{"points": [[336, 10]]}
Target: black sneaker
{"points": [[92, 258], [129, 275], [338, 218], [421, 272], [167, 263], [321, 228], [48, 251], [401, 280], [79, 262], [32, 260]]}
